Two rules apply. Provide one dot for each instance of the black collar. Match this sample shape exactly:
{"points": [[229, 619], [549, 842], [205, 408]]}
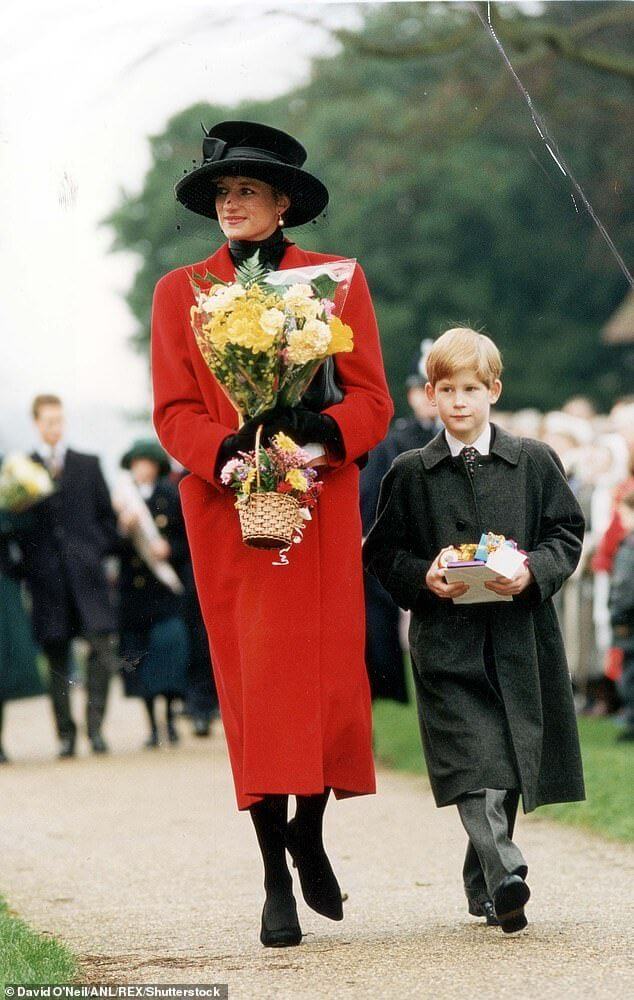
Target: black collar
{"points": [[271, 249], [507, 446]]}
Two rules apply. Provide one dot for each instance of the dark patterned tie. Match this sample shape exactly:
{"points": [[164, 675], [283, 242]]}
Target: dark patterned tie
{"points": [[470, 456], [53, 464]]}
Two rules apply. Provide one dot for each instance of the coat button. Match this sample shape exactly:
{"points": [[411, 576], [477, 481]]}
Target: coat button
{"points": [[460, 525], [139, 581]]}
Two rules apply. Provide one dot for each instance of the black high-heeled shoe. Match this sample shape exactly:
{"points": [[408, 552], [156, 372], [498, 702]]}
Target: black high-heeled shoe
{"points": [[280, 924], [319, 883]]}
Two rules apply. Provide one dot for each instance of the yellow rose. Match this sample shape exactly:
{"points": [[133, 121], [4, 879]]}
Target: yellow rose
{"points": [[342, 339]]}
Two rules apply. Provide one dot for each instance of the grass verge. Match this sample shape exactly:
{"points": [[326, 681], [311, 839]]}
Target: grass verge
{"points": [[29, 957], [607, 766]]}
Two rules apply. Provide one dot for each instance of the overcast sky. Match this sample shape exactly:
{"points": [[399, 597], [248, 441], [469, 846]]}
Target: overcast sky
{"points": [[77, 102]]}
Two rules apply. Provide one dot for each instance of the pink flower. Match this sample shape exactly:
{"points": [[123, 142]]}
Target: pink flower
{"points": [[230, 469], [328, 306]]}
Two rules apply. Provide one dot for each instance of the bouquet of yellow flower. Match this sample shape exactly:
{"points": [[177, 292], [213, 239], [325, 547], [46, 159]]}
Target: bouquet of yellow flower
{"points": [[22, 483], [275, 492], [265, 335]]}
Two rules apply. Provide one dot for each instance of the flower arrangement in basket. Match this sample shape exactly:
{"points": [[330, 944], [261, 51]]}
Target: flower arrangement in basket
{"points": [[23, 483], [264, 336], [276, 490]]}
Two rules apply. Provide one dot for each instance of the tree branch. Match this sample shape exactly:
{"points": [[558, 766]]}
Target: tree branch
{"points": [[523, 35]]}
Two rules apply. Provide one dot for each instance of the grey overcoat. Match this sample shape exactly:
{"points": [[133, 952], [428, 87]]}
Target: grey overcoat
{"points": [[519, 729]]}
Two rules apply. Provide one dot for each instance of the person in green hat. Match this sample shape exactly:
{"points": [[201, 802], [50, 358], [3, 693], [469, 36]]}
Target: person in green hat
{"points": [[154, 644]]}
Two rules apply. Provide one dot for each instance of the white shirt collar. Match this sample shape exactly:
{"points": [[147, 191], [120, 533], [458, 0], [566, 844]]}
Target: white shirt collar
{"points": [[47, 452], [482, 443]]}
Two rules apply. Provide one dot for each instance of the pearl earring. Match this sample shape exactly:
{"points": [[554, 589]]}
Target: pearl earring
{"points": [[280, 220]]}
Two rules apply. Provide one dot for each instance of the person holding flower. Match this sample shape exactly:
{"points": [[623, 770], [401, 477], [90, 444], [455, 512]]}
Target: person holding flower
{"points": [[287, 642]]}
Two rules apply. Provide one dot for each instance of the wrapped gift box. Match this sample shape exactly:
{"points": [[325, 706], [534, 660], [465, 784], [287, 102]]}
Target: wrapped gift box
{"points": [[506, 560]]}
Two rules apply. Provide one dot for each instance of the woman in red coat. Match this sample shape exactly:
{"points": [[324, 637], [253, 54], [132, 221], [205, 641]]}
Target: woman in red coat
{"points": [[287, 643]]}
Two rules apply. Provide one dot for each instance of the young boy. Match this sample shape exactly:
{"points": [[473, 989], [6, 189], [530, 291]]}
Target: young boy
{"points": [[622, 610], [494, 697]]}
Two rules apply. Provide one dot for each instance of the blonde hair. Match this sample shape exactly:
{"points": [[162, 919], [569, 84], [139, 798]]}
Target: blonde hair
{"points": [[44, 399], [461, 348]]}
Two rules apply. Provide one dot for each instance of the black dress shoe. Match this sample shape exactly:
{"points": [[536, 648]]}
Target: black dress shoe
{"points": [[66, 747], [509, 900], [152, 740], [3, 757], [172, 733], [319, 884], [280, 925], [484, 909], [98, 744]]}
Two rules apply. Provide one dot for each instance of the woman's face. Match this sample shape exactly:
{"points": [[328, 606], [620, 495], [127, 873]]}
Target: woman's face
{"points": [[144, 471], [248, 209]]}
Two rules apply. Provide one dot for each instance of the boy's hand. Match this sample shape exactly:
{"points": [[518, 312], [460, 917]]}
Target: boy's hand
{"points": [[509, 588], [435, 579]]}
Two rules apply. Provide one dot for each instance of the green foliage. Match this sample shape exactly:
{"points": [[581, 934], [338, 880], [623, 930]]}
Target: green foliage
{"points": [[608, 773], [269, 476], [442, 188], [251, 272], [27, 957]]}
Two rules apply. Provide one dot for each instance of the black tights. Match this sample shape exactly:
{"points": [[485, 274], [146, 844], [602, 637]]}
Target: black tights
{"points": [[270, 817], [309, 815], [150, 704]]}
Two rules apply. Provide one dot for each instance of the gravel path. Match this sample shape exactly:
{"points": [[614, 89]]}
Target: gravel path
{"points": [[140, 862]]}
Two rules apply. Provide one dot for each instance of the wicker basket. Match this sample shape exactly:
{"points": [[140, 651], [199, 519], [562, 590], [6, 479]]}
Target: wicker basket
{"points": [[268, 520]]}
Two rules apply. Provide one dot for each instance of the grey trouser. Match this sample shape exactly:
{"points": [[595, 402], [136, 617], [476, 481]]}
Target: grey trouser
{"points": [[102, 662], [488, 816]]}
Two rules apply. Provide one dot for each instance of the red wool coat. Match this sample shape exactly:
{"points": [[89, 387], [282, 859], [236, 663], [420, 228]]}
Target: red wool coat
{"points": [[287, 642]]}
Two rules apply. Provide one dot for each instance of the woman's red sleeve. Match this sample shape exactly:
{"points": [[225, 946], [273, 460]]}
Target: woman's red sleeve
{"points": [[182, 420]]}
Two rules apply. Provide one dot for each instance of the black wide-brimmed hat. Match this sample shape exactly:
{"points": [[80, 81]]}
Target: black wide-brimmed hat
{"points": [[151, 449], [248, 149]]}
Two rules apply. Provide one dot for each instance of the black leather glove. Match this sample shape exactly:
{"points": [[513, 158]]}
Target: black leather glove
{"points": [[305, 425], [244, 438], [300, 424]]}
